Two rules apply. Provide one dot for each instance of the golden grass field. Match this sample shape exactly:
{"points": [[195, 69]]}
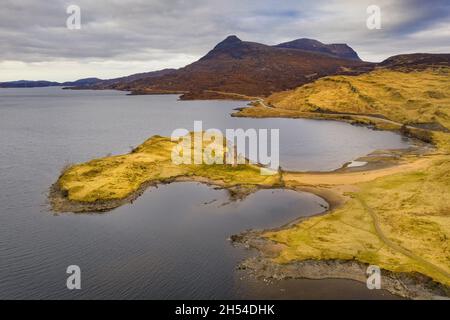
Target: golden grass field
{"points": [[406, 97], [400, 220]]}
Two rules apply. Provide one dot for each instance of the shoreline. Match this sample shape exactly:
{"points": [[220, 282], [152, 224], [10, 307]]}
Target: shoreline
{"points": [[261, 266], [407, 285], [412, 285]]}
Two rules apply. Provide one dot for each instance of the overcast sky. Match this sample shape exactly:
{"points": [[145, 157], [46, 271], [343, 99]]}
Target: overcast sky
{"points": [[120, 37]]}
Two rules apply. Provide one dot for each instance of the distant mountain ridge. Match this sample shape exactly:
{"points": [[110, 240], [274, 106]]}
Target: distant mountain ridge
{"points": [[28, 84], [44, 83], [232, 66], [134, 77], [86, 82], [247, 68], [339, 50], [244, 68]]}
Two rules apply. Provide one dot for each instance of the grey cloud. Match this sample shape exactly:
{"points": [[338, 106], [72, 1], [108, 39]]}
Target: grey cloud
{"points": [[33, 31]]}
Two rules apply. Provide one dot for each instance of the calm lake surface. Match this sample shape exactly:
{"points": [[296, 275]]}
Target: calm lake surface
{"points": [[170, 243]]}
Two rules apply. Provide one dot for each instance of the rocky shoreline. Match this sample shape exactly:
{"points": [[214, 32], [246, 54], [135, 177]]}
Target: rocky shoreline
{"points": [[407, 285]]}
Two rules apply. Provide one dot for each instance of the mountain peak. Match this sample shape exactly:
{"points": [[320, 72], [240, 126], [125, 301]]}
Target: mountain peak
{"points": [[232, 38], [229, 41], [231, 46]]}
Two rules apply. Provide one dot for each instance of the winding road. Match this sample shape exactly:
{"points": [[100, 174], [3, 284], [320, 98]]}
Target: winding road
{"points": [[397, 247]]}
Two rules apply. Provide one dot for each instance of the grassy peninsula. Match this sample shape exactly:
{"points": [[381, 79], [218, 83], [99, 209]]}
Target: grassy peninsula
{"points": [[105, 183]]}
